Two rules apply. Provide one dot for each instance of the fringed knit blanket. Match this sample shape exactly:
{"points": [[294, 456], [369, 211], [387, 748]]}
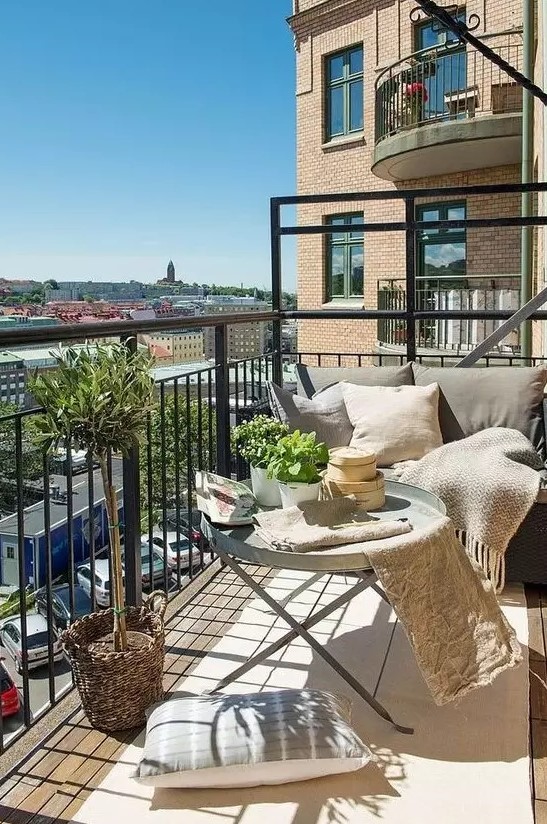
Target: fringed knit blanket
{"points": [[488, 482], [459, 635]]}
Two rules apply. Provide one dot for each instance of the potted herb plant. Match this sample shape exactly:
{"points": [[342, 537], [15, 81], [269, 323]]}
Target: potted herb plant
{"points": [[255, 441], [98, 399], [295, 464]]}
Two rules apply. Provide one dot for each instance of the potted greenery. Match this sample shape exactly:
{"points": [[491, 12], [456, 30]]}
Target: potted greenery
{"points": [[98, 399], [255, 441], [295, 463]]}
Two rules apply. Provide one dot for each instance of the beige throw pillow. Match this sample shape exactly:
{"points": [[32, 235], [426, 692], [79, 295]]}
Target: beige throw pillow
{"points": [[398, 423]]}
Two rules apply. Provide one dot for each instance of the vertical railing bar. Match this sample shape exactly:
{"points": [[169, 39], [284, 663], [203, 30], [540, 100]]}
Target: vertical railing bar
{"points": [[410, 271], [200, 422], [163, 486], [91, 521], [277, 296], [178, 529], [210, 419], [222, 407], [49, 582], [189, 441], [70, 523], [22, 569]]}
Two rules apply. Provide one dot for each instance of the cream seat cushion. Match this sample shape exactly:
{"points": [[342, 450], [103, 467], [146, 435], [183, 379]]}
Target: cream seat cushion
{"points": [[398, 423]]}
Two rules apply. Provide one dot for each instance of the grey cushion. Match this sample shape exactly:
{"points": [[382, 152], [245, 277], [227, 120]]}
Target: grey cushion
{"points": [[474, 399], [325, 414], [246, 740], [310, 379]]}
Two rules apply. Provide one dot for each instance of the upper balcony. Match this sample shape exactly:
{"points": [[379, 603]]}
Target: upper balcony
{"points": [[448, 109]]}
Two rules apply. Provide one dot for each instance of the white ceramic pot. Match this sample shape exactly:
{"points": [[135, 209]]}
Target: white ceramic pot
{"points": [[293, 494], [265, 490]]}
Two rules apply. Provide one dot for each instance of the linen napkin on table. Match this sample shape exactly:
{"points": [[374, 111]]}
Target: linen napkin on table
{"points": [[318, 525]]}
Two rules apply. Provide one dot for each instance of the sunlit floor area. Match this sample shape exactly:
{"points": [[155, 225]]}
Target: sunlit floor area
{"points": [[80, 774]]}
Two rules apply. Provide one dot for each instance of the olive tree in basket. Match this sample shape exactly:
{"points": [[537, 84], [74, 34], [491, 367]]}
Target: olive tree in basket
{"points": [[98, 399]]}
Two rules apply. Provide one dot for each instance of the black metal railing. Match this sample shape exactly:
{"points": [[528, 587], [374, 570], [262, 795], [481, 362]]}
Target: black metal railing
{"points": [[461, 335], [190, 430], [447, 82]]}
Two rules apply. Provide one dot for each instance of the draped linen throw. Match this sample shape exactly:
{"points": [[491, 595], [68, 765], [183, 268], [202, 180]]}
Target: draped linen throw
{"points": [[321, 524], [449, 610], [488, 482]]}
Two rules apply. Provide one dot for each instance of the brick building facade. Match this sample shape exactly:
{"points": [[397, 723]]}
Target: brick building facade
{"points": [[353, 136]]}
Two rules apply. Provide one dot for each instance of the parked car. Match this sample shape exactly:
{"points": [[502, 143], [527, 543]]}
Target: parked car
{"points": [[176, 547], [60, 604], [188, 529], [157, 565], [102, 580], [37, 641], [10, 698]]}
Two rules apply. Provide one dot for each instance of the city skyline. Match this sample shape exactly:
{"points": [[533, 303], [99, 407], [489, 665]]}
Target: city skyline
{"points": [[130, 143]]}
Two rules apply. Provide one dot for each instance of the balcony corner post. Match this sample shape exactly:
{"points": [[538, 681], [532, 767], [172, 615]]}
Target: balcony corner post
{"points": [[410, 239], [277, 293], [132, 517]]}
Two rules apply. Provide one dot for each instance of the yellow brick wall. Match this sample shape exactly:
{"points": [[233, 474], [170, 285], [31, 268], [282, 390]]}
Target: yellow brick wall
{"points": [[322, 27]]}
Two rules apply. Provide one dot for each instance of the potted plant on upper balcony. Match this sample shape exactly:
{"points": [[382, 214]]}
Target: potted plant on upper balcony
{"points": [[255, 441], [295, 463], [98, 399], [414, 97]]}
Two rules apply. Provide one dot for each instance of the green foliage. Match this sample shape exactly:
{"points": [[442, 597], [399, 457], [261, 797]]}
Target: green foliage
{"points": [[32, 453], [255, 439], [297, 457], [12, 605], [166, 462], [99, 397]]}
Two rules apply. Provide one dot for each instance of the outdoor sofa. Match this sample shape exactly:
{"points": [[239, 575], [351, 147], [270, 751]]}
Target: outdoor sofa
{"points": [[472, 399]]}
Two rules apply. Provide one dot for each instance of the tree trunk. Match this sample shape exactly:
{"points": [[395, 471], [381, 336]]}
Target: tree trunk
{"points": [[120, 630]]}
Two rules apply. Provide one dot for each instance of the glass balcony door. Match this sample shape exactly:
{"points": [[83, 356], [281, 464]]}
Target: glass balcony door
{"points": [[443, 71]]}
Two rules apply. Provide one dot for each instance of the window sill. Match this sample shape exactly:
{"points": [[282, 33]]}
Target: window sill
{"points": [[344, 303], [345, 140]]}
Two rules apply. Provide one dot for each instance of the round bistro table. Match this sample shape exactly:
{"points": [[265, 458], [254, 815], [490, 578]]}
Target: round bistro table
{"points": [[240, 545]]}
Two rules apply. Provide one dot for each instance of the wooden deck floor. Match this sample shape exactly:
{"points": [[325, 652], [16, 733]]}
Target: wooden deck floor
{"points": [[55, 779]]}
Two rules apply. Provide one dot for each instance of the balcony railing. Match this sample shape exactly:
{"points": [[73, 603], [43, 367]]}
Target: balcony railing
{"points": [[58, 522], [447, 83], [461, 335]]}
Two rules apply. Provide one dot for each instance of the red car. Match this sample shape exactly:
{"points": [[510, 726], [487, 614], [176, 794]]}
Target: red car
{"points": [[11, 702]]}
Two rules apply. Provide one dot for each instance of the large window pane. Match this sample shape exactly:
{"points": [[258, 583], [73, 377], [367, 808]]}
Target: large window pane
{"points": [[356, 270], [356, 105], [356, 61], [337, 271], [336, 111], [336, 67], [444, 259]]}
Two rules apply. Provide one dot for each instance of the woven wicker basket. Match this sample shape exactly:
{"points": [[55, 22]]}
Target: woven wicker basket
{"points": [[116, 688]]}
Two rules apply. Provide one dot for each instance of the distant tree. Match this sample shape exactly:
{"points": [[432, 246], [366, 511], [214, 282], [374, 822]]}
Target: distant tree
{"points": [[32, 464], [89, 299], [51, 283]]}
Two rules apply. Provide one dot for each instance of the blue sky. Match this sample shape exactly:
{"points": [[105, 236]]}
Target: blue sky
{"points": [[134, 131]]}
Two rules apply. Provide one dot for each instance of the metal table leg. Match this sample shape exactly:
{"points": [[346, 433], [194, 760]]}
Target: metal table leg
{"points": [[301, 629]]}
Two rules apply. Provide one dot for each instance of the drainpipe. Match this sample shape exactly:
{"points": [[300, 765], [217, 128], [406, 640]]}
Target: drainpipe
{"points": [[526, 253]]}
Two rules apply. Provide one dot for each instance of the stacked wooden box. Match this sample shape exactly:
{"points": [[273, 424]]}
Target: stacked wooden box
{"points": [[351, 471]]}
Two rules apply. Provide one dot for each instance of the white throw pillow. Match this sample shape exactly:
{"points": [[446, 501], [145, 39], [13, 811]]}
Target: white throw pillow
{"points": [[248, 740], [398, 423]]}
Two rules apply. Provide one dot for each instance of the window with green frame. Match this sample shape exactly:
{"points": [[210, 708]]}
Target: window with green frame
{"points": [[442, 253], [345, 258], [344, 92]]}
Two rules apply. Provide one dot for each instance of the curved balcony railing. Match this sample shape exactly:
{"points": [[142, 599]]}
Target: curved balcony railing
{"points": [[446, 83]]}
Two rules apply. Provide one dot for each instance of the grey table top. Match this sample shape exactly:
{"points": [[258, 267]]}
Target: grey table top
{"points": [[402, 501]]}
